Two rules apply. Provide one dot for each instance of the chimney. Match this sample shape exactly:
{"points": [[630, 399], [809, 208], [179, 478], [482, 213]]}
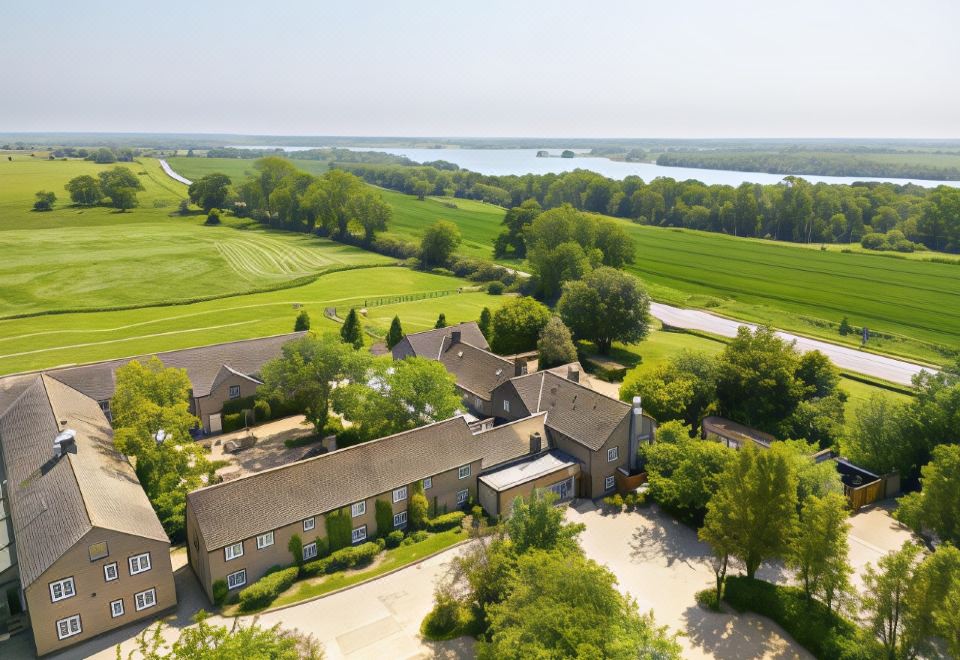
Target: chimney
{"points": [[536, 442], [519, 366], [636, 429], [455, 336], [64, 442], [573, 374]]}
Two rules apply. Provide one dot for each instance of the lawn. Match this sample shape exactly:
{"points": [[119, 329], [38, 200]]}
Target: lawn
{"points": [[237, 169]]}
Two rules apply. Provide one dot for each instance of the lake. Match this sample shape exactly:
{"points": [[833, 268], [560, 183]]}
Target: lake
{"points": [[525, 161]]}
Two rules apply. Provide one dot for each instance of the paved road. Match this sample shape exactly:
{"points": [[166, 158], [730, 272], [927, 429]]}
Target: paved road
{"points": [[173, 175], [849, 359]]}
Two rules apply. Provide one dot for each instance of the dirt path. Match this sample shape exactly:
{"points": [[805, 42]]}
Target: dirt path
{"points": [[173, 175]]}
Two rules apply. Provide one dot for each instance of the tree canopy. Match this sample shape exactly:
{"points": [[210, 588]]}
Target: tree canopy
{"points": [[517, 325], [555, 346], [438, 244], [120, 185], [210, 191], [606, 306]]}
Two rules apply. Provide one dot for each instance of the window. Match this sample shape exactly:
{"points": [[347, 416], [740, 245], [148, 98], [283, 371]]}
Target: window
{"points": [[428, 483], [477, 403], [139, 563], [506, 406], [234, 391], [264, 540], [400, 494], [309, 551], [462, 496], [62, 589], [116, 608], [358, 509], [608, 483], [145, 599], [233, 551], [98, 551], [400, 519], [613, 454], [110, 572], [69, 627], [237, 579], [359, 534], [309, 524], [464, 472]]}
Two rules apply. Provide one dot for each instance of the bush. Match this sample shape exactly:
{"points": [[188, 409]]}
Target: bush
{"points": [[213, 218], [339, 528], [261, 411], [384, 517], [394, 538], [419, 535], [233, 422], [495, 288], [238, 405], [395, 247], [220, 591], [349, 437], [825, 634], [630, 501], [419, 509], [614, 502], [446, 521], [262, 592], [342, 559]]}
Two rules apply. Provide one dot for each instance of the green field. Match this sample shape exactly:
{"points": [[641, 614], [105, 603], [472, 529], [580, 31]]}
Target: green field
{"points": [[237, 169]]}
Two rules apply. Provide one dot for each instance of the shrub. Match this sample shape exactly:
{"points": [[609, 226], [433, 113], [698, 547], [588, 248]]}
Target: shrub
{"points": [[384, 517], [233, 422], [295, 546], [220, 591], [446, 521], [261, 410], [614, 502], [357, 555], [323, 546], [213, 218], [302, 322], [420, 535], [630, 501], [262, 592], [238, 405], [349, 437], [334, 426], [418, 510], [495, 288], [394, 247], [339, 528], [394, 538]]}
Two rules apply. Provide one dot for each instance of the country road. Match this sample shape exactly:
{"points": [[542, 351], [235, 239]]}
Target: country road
{"points": [[173, 175], [848, 359]]}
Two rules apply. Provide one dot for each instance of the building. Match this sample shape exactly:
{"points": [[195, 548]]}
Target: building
{"points": [[81, 549], [732, 434], [217, 373]]}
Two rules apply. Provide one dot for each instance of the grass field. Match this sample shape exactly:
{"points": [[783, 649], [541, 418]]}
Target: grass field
{"points": [[237, 169]]}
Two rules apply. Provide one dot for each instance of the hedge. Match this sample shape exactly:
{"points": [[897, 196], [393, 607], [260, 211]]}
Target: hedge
{"points": [[262, 592], [384, 517], [339, 529], [233, 422], [825, 634], [220, 592], [344, 558], [446, 521]]}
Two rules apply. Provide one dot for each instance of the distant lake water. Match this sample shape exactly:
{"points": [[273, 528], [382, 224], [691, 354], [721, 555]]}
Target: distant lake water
{"points": [[525, 161]]}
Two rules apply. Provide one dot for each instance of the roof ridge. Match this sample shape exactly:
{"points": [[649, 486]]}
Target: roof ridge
{"points": [[584, 387], [512, 422]]}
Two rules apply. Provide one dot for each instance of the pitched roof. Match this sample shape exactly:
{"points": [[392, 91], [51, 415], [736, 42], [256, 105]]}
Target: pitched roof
{"points": [[510, 441], [575, 410], [203, 365], [732, 430], [55, 502], [475, 369], [428, 344]]}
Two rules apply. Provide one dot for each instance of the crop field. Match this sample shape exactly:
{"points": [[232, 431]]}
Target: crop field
{"points": [[48, 341]]}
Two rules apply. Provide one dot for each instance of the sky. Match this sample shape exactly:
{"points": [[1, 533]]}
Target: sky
{"points": [[667, 68]]}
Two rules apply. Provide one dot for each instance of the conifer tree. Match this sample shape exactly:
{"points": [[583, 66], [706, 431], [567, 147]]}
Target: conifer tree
{"points": [[395, 334], [352, 332]]}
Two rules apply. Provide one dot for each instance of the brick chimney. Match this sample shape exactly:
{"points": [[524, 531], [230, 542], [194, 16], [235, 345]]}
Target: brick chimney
{"points": [[455, 337], [573, 373]]}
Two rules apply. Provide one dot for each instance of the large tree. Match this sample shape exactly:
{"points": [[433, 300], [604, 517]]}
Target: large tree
{"points": [[884, 599], [683, 388], [937, 506], [517, 325], [555, 346], [210, 191], [84, 190], [367, 210], [351, 332], [819, 552], [606, 306], [753, 514], [438, 243], [882, 437], [120, 184], [511, 241]]}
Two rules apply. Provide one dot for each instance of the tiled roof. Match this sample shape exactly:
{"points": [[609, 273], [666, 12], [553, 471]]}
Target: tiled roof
{"points": [[54, 502], [735, 431], [475, 369], [510, 441], [427, 344]]}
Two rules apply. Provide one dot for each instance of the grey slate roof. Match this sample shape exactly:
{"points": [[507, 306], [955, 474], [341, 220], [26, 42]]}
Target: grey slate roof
{"points": [[575, 410], [54, 503], [476, 370], [203, 365], [510, 441], [427, 344]]}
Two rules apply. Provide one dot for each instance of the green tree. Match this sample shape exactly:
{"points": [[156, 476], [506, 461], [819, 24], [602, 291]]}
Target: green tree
{"points": [[511, 242], [534, 523], [104, 156], [883, 603], [438, 244], [152, 423], [555, 346], [753, 514], [329, 200], [937, 506], [302, 376], [210, 191], [813, 479], [84, 190], [120, 185], [395, 334], [441, 321], [371, 214], [419, 507], [606, 306], [303, 322], [295, 546], [881, 438], [845, 327], [517, 325], [422, 188], [947, 618], [486, 323], [384, 517], [45, 201], [928, 595], [204, 641], [351, 332], [684, 388], [820, 549]]}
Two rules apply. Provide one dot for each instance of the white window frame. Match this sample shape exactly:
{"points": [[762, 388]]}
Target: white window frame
{"points": [[506, 405], [463, 496], [107, 570], [358, 534], [233, 551], [153, 599], [106, 551], [427, 483], [265, 541], [230, 392], [463, 472], [357, 509], [114, 612], [66, 587], [309, 551], [309, 524], [400, 494], [609, 483], [477, 403], [400, 519], [139, 561], [235, 582], [69, 621], [613, 454]]}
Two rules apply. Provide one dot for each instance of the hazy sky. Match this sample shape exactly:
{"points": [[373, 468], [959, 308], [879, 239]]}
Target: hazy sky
{"points": [[669, 68]]}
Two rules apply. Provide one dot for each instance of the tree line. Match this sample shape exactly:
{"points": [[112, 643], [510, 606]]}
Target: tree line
{"points": [[793, 210]]}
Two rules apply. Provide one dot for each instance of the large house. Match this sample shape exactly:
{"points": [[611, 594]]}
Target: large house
{"points": [[217, 373], [81, 549]]}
